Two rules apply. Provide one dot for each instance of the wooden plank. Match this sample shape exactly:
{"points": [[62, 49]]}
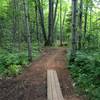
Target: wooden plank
{"points": [[49, 85], [53, 86], [57, 85], [55, 96]]}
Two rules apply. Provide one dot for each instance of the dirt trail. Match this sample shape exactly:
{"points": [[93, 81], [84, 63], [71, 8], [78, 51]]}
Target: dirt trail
{"points": [[32, 84]]}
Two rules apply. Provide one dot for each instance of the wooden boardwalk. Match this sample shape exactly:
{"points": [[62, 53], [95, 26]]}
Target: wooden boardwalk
{"points": [[53, 86]]}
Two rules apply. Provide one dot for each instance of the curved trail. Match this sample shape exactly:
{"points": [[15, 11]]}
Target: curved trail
{"points": [[32, 84]]}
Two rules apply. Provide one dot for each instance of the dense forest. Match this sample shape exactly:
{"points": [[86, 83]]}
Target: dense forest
{"points": [[29, 26]]}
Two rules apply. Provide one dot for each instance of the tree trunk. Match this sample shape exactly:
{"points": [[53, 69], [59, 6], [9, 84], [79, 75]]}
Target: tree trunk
{"points": [[63, 21], [37, 33], [55, 28], [74, 29], [85, 23], [61, 40], [14, 27], [50, 22], [55, 14], [38, 3], [80, 24], [27, 30], [90, 16]]}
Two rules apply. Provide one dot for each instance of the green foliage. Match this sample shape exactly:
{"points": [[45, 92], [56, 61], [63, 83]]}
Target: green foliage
{"points": [[12, 64], [86, 73], [14, 70]]}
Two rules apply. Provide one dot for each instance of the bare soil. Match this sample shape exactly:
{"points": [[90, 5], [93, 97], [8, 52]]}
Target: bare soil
{"points": [[32, 84]]}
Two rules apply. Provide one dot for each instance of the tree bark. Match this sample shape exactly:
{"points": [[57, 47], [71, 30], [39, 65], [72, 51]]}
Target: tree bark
{"points": [[14, 27], [37, 33], [85, 23], [63, 21], [38, 3], [50, 22], [27, 30], [61, 35], [80, 24], [74, 29], [55, 14]]}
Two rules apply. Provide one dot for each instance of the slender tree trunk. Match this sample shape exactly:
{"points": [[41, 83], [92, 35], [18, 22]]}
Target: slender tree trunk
{"points": [[85, 23], [74, 29], [63, 21], [1, 33], [55, 14], [42, 20], [61, 35], [56, 22], [50, 22], [25, 2], [37, 33], [90, 17], [18, 25], [55, 28], [80, 24], [52, 27], [14, 27]]}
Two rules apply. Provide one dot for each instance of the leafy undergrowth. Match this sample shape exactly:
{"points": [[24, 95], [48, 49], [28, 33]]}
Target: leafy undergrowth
{"points": [[12, 64], [86, 73]]}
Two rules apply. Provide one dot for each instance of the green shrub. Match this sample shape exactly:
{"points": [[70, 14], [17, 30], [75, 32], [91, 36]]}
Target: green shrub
{"points": [[11, 64], [14, 70], [86, 73]]}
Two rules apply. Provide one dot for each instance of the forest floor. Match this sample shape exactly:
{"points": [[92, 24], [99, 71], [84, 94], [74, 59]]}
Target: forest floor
{"points": [[32, 83]]}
